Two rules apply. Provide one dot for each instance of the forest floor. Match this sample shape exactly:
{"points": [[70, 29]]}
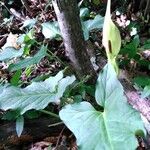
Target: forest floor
{"points": [[16, 19]]}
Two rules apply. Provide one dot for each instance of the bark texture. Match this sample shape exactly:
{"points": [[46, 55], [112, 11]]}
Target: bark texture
{"points": [[69, 22]]}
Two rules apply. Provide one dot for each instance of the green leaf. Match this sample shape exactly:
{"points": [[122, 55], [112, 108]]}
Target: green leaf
{"points": [[1, 88], [107, 86], [146, 91], [32, 114], [111, 38], [142, 80], [89, 25], [96, 23], [10, 115], [114, 128], [19, 125], [131, 48], [16, 78], [29, 61], [96, 2], [147, 44], [9, 53], [84, 12], [35, 96], [29, 23], [51, 30]]}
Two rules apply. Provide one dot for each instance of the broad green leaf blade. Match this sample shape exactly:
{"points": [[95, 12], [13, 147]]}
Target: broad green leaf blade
{"points": [[142, 80], [51, 30], [107, 85], [101, 131], [87, 26], [19, 125], [29, 61], [96, 23], [1, 88], [131, 48], [87, 125], [113, 129], [9, 53], [35, 96]]}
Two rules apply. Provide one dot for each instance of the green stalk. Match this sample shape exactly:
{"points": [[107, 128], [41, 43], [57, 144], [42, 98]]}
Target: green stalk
{"points": [[50, 113], [57, 58]]}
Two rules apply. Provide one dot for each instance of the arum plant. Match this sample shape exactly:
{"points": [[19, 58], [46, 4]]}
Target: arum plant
{"points": [[111, 38], [114, 128], [117, 125]]}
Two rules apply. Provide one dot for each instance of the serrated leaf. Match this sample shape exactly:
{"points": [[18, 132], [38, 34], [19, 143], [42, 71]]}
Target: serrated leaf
{"points": [[19, 125], [51, 30], [29, 61], [35, 96], [9, 53], [114, 128]]}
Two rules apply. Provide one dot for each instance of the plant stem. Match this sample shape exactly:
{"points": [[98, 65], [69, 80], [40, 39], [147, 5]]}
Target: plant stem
{"points": [[3, 4], [26, 5], [53, 55], [55, 124], [50, 113], [85, 79]]}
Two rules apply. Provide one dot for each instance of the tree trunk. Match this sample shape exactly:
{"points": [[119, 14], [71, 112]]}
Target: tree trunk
{"points": [[69, 22]]}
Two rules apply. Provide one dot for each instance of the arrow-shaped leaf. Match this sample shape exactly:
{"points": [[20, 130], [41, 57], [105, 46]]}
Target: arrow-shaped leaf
{"points": [[35, 96], [114, 128]]}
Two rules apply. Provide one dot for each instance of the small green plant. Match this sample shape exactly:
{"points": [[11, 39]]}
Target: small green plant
{"points": [[143, 83], [35, 96], [110, 124], [111, 129], [117, 125], [51, 30]]}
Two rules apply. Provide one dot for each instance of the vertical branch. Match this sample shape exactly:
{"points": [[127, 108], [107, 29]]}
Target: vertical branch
{"points": [[69, 22], [147, 9]]}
